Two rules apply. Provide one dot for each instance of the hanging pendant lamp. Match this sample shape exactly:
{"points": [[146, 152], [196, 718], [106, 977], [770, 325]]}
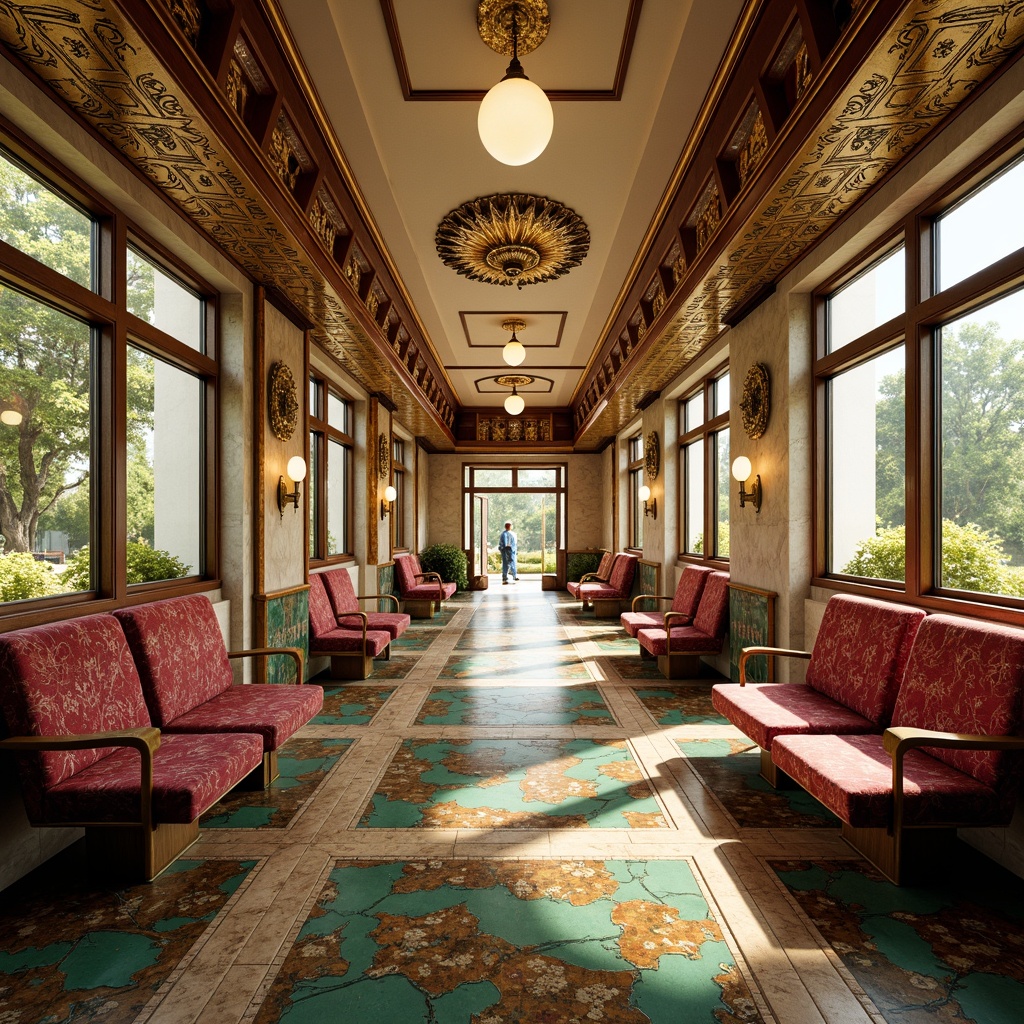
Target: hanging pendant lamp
{"points": [[513, 353], [515, 119]]}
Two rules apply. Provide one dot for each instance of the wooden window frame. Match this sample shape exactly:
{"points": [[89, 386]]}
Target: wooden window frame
{"points": [[926, 310], [635, 480], [104, 308], [399, 480], [714, 422], [319, 426]]}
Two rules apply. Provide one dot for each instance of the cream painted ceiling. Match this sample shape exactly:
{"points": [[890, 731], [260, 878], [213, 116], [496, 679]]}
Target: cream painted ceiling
{"points": [[608, 160]]}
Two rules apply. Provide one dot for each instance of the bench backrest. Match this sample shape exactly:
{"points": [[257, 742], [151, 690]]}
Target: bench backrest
{"points": [[620, 579], [968, 677], [67, 678], [689, 590], [604, 567], [321, 615], [406, 568], [179, 651], [861, 652], [340, 590], [713, 610]]}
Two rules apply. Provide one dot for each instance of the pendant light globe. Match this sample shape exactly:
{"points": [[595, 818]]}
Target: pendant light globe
{"points": [[515, 121]]}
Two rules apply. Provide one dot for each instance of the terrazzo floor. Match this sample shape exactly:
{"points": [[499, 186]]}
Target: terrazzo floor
{"points": [[516, 823]]}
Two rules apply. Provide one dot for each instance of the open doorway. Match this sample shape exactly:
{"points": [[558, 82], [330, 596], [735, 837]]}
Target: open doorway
{"points": [[533, 499]]}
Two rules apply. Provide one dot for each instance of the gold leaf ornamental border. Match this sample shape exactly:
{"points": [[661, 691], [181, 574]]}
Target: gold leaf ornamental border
{"points": [[383, 456], [756, 401], [652, 456], [494, 23]]}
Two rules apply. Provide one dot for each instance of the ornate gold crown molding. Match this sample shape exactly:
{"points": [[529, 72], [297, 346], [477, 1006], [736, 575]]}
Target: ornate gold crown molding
{"points": [[512, 238]]}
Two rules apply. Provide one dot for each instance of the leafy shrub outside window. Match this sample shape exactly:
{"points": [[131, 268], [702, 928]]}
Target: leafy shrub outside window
{"points": [[448, 561], [145, 565]]}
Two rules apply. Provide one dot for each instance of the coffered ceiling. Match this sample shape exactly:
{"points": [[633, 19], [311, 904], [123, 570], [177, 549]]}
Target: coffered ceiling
{"points": [[400, 81]]}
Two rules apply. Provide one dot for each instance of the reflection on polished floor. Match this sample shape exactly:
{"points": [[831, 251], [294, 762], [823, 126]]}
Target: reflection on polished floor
{"points": [[516, 819]]}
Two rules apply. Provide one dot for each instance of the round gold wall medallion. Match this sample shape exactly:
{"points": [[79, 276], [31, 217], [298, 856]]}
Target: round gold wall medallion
{"points": [[383, 456], [652, 455], [282, 402], [756, 400]]}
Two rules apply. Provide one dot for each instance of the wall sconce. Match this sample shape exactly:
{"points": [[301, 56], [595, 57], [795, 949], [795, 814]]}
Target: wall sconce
{"points": [[741, 472], [387, 501], [650, 504], [296, 471]]}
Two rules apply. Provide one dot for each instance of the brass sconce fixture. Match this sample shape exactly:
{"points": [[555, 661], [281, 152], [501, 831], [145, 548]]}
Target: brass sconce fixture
{"points": [[741, 470], [296, 471], [650, 504], [388, 501]]}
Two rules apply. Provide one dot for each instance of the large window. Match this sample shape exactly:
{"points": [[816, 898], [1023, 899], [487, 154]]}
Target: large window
{"points": [[98, 492], [920, 385], [330, 478], [704, 469], [399, 539], [635, 453]]}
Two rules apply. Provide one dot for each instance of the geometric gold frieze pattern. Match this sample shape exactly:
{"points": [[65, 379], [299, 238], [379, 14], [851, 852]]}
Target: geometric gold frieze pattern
{"points": [[934, 57], [90, 55]]}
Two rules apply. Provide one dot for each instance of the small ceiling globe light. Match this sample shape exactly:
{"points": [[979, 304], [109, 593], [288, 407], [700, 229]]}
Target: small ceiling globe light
{"points": [[515, 119], [513, 353], [515, 403]]}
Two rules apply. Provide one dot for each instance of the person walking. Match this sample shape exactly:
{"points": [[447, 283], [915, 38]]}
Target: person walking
{"points": [[507, 547]]}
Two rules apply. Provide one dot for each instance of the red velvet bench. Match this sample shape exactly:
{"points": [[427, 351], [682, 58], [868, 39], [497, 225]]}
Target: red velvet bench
{"points": [[422, 592], [351, 650], [599, 575], [683, 608], [953, 756], [345, 603], [187, 681], [607, 598], [855, 669], [679, 648], [89, 755]]}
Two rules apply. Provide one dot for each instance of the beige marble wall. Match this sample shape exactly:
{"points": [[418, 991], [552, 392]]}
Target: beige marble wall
{"points": [[284, 536]]}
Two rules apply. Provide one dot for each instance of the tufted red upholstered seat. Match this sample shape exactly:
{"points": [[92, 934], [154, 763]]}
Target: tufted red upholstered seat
{"points": [[684, 603], [346, 605], [422, 592], [88, 753], [952, 757], [607, 598], [351, 650], [854, 672], [678, 651], [186, 677], [599, 575]]}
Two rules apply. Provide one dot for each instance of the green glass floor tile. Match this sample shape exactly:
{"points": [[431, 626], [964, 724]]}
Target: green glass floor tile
{"points": [[73, 949], [511, 705], [513, 784], [730, 769], [952, 950], [353, 703], [303, 765], [680, 705], [539, 662], [616, 941]]}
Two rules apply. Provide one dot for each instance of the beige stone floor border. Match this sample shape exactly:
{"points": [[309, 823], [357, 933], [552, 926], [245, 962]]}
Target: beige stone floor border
{"points": [[795, 977]]}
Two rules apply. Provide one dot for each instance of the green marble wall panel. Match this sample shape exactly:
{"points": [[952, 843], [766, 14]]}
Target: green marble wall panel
{"points": [[287, 626], [751, 624]]}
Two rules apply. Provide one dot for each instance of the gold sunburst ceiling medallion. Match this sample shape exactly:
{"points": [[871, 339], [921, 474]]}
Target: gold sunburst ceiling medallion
{"points": [[512, 238], [494, 23]]}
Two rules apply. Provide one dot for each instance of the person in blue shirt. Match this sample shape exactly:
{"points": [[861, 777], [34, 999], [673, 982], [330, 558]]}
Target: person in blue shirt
{"points": [[507, 547]]}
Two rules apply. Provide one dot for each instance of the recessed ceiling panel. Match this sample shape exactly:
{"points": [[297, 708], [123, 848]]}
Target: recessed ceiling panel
{"points": [[483, 328], [437, 48]]}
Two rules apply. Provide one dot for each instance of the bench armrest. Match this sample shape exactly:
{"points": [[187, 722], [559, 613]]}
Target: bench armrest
{"points": [[145, 739], [897, 740], [669, 616], [649, 597], [772, 652], [592, 577], [370, 597], [264, 652], [433, 577]]}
